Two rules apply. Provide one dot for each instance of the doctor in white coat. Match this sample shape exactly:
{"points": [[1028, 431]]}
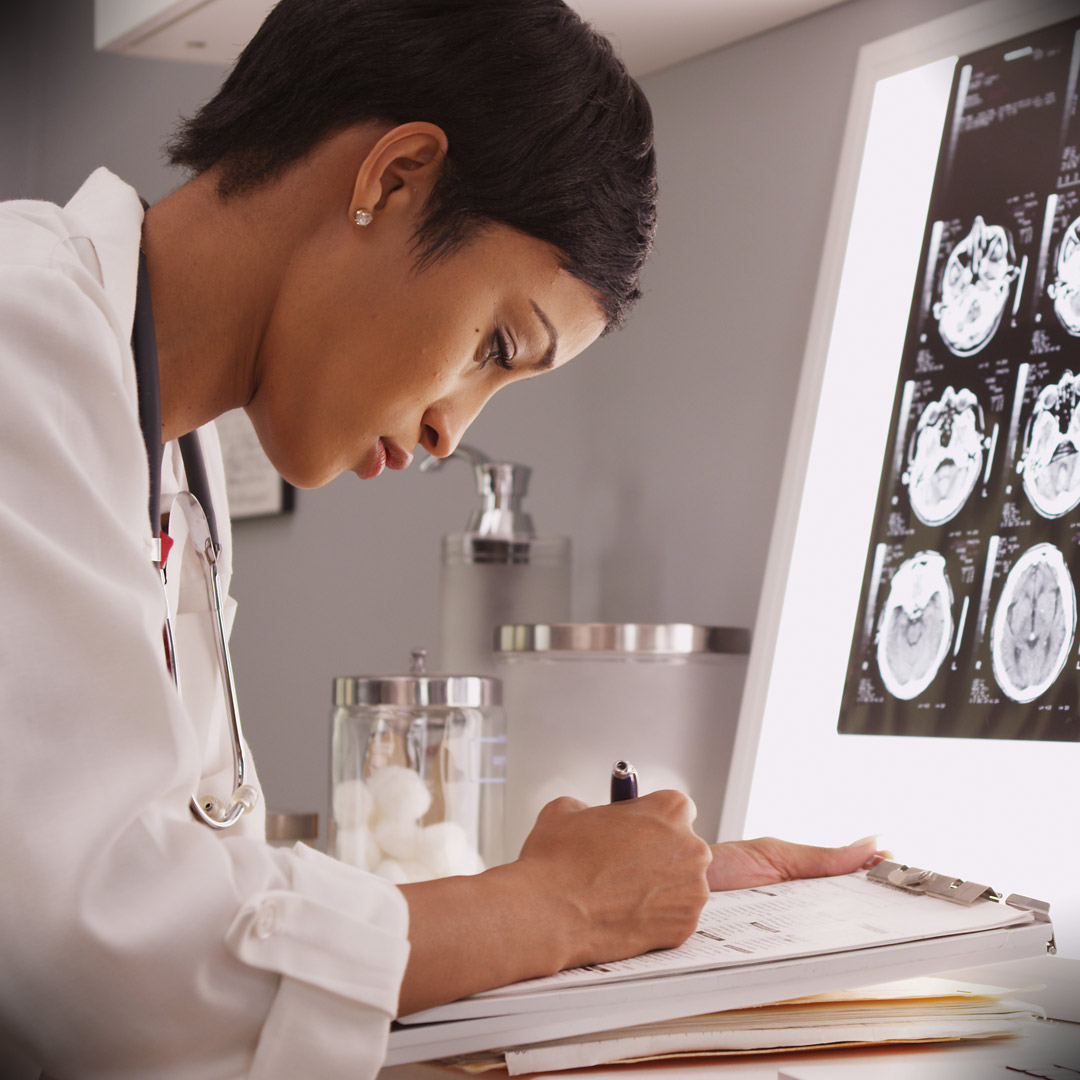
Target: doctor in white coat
{"points": [[397, 209]]}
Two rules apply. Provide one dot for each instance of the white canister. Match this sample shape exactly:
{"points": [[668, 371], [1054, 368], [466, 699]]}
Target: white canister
{"points": [[578, 696]]}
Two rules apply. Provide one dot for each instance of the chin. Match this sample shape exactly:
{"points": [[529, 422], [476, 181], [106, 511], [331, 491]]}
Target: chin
{"points": [[298, 463], [306, 474], [302, 461]]}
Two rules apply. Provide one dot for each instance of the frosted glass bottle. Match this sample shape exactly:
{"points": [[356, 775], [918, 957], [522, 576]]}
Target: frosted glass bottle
{"points": [[487, 582], [498, 570]]}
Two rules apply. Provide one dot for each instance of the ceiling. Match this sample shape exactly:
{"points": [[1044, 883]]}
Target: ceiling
{"points": [[654, 34], [649, 34]]}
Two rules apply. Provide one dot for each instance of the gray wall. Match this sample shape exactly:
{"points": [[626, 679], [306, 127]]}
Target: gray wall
{"points": [[659, 451]]}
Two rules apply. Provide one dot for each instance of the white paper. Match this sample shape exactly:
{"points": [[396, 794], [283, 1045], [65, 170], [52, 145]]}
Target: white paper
{"points": [[792, 919], [633, 1047], [903, 1011]]}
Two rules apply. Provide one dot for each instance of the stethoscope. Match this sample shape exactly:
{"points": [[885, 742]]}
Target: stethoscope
{"points": [[198, 511]]}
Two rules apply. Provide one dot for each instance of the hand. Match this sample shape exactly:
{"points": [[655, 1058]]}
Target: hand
{"points": [[630, 875], [745, 864], [591, 884]]}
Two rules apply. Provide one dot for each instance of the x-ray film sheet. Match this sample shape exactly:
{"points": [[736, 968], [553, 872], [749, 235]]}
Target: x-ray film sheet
{"points": [[967, 624]]}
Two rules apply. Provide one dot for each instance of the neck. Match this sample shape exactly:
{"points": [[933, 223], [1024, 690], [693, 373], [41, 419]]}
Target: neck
{"points": [[217, 269], [212, 282]]}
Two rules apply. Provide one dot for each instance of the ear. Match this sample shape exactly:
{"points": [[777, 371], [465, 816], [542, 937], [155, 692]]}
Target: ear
{"points": [[400, 170]]}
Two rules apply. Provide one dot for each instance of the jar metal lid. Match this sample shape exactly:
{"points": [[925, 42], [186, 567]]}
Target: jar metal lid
{"points": [[282, 825], [637, 639], [463, 691]]}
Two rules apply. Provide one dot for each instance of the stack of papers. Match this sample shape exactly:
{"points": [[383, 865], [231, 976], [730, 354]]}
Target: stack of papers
{"points": [[752, 947], [913, 1010]]}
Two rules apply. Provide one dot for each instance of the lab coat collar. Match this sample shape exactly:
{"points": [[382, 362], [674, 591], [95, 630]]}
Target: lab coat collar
{"points": [[112, 214]]}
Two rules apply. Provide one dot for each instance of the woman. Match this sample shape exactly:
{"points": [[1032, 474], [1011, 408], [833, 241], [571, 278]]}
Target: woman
{"points": [[398, 207]]}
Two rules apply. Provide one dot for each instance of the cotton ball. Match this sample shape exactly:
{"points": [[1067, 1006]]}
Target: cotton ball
{"points": [[353, 804], [416, 871], [403, 872], [396, 838], [392, 871], [444, 849], [399, 793], [356, 847]]}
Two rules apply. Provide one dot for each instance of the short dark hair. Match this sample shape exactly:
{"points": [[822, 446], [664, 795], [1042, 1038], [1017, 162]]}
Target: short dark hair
{"points": [[547, 132]]}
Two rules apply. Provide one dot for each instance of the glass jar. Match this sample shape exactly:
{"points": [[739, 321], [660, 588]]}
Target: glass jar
{"points": [[418, 768]]}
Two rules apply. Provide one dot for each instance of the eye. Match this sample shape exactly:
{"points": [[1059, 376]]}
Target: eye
{"points": [[501, 351]]}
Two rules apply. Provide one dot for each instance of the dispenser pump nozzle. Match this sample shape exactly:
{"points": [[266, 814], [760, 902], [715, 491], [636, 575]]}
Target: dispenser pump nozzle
{"points": [[501, 487]]}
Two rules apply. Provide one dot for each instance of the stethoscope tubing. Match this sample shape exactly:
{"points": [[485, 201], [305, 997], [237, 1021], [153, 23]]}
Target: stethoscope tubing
{"points": [[197, 507]]}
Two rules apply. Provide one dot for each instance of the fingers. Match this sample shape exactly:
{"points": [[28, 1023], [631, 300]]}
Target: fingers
{"points": [[560, 807], [745, 864], [673, 805], [628, 876], [805, 860]]}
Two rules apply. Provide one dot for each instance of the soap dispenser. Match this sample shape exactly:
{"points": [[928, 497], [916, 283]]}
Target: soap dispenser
{"points": [[498, 570]]}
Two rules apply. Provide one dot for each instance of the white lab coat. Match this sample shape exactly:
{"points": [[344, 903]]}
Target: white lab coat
{"points": [[135, 942]]}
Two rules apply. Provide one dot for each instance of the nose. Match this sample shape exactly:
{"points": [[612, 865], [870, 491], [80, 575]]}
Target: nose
{"points": [[444, 424]]}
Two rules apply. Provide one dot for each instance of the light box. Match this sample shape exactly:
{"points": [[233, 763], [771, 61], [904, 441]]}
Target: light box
{"points": [[916, 662]]}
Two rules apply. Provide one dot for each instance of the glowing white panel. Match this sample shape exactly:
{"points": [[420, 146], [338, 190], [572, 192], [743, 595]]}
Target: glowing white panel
{"points": [[993, 810]]}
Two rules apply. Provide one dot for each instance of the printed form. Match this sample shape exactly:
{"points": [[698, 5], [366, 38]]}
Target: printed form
{"points": [[789, 920]]}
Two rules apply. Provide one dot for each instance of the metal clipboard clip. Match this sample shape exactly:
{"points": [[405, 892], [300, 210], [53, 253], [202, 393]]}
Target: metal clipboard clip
{"points": [[913, 880]]}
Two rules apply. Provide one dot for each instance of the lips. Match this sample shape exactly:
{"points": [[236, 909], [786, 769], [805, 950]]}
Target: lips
{"points": [[386, 455], [395, 457]]}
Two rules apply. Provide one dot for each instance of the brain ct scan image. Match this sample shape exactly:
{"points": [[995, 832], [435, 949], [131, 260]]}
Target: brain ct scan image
{"points": [[1065, 290], [975, 288], [1050, 462], [945, 456], [1034, 624], [916, 625]]}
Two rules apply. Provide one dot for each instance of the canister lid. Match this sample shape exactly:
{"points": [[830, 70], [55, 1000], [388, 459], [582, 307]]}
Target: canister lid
{"points": [[418, 688], [289, 825], [463, 691], [639, 639]]}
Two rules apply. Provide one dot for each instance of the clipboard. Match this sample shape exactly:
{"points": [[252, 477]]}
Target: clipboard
{"points": [[536, 1010]]}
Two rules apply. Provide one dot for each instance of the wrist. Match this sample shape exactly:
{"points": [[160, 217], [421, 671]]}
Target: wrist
{"points": [[469, 934], [545, 919]]}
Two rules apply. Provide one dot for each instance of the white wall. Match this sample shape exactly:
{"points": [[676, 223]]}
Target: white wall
{"points": [[659, 451]]}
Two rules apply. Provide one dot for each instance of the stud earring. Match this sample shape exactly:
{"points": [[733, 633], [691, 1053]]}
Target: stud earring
{"points": [[363, 218]]}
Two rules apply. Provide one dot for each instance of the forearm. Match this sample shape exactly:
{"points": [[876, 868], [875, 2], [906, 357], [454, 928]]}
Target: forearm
{"points": [[468, 934]]}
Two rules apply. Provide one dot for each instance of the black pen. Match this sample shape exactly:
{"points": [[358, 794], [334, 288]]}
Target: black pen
{"points": [[623, 781]]}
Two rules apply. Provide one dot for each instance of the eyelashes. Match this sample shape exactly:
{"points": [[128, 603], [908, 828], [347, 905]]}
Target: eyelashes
{"points": [[500, 352]]}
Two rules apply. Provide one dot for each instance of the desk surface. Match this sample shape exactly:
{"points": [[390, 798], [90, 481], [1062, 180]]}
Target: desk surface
{"points": [[1056, 1042]]}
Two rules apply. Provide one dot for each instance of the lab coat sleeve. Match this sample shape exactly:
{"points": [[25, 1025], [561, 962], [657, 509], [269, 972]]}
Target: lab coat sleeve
{"points": [[135, 942]]}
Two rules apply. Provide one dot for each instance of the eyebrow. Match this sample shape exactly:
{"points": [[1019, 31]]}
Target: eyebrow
{"points": [[547, 361]]}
